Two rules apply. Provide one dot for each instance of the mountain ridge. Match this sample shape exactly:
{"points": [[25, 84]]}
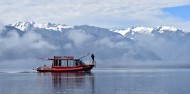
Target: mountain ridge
{"points": [[24, 26]]}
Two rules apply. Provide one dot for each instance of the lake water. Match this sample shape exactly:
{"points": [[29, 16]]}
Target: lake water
{"points": [[98, 81]]}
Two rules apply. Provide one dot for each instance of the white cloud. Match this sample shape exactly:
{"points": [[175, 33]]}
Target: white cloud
{"points": [[114, 13], [68, 45], [35, 41], [13, 44], [1, 28], [78, 37], [105, 42]]}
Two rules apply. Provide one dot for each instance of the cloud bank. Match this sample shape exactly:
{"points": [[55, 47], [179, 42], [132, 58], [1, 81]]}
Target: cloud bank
{"points": [[103, 13], [14, 46]]}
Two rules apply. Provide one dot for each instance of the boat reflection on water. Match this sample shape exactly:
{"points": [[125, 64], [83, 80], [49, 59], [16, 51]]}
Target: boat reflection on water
{"points": [[69, 82]]}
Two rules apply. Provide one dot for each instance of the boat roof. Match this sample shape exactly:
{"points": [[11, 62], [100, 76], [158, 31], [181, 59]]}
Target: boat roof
{"points": [[60, 58]]}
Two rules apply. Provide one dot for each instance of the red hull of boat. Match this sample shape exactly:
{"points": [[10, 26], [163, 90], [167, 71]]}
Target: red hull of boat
{"points": [[65, 69]]}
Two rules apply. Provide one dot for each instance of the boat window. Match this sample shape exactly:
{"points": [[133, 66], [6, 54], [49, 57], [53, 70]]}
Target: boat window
{"points": [[68, 63], [80, 62], [77, 63], [71, 63], [59, 63], [64, 63], [55, 62]]}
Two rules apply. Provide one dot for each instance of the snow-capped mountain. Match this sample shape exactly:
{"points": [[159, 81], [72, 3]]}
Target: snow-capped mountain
{"points": [[159, 31], [131, 33], [166, 32], [27, 26], [146, 30]]}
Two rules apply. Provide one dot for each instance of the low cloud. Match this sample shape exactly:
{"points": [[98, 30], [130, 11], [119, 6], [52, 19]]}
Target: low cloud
{"points": [[68, 45], [167, 49], [78, 37], [16, 46], [35, 41], [1, 28]]}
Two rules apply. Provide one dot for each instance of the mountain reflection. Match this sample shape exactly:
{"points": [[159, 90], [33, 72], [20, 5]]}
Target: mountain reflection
{"points": [[71, 82]]}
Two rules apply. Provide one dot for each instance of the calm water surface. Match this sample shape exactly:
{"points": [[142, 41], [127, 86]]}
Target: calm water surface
{"points": [[99, 81]]}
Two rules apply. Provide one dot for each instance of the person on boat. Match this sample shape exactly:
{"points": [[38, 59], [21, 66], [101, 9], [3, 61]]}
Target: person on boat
{"points": [[92, 56]]}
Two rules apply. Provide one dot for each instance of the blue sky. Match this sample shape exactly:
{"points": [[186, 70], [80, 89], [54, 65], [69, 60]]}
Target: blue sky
{"points": [[102, 13], [182, 12]]}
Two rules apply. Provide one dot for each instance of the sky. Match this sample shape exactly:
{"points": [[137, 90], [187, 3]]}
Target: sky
{"points": [[182, 12], [101, 13]]}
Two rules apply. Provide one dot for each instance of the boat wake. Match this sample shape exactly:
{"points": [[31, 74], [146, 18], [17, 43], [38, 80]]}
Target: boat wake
{"points": [[18, 71]]}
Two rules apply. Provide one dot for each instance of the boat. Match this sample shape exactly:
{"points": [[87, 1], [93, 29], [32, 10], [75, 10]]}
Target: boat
{"points": [[66, 64]]}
